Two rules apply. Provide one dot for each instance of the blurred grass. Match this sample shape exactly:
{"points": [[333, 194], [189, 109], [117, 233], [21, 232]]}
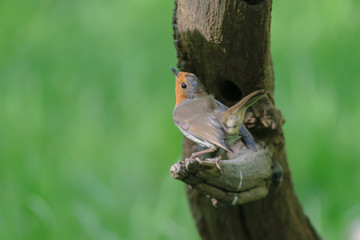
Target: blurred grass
{"points": [[316, 55], [86, 100]]}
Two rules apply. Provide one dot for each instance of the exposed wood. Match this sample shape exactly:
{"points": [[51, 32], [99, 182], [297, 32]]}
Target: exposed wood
{"points": [[226, 43]]}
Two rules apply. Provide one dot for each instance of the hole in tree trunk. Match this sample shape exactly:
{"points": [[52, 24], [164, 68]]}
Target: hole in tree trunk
{"points": [[229, 90], [253, 2]]}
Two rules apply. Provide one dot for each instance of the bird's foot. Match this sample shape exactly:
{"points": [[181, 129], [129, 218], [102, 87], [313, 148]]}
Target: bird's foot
{"points": [[195, 157], [216, 160]]}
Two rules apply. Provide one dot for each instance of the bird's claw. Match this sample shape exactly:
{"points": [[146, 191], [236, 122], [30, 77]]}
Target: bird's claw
{"points": [[195, 157], [216, 160], [217, 164], [198, 159]]}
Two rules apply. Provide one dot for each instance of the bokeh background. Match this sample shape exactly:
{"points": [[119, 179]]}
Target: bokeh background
{"points": [[86, 131]]}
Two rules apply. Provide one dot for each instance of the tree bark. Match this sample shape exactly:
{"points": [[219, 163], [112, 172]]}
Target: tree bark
{"points": [[226, 43]]}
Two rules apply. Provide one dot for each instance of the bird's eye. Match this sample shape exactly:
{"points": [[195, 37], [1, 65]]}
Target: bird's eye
{"points": [[183, 85]]}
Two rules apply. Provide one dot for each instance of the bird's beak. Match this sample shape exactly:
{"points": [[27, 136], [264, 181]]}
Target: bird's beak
{"points": [[174, 71]]}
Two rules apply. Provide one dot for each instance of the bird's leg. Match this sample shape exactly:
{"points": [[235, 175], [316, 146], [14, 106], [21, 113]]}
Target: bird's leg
{"points": [[196, 154]]}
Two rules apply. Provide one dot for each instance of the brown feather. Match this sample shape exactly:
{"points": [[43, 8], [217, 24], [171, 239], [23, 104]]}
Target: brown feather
{"points": [[196, 117]]}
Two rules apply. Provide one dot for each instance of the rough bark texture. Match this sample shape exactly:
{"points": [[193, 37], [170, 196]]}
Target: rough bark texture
{"points": [[226, 43]]}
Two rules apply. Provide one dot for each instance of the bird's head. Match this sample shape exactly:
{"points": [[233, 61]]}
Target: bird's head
{"points": [[187, 86]]}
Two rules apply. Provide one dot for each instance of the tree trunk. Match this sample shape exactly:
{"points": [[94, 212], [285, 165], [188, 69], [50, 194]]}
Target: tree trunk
{"points": [[226, 43]]}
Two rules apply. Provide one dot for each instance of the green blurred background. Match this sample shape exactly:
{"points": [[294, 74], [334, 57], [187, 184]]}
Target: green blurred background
{"points": [[86, 131]]}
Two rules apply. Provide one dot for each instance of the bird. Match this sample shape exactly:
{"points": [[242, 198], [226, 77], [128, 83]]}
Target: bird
{"points": [[208, 122]]}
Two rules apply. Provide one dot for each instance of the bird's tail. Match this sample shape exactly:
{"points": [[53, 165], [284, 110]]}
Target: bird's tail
{"points": [[247, 101], [234, 116]]}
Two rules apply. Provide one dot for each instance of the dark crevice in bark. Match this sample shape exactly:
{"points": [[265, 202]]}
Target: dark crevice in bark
{"points": [[253, 2], [229, 90]]}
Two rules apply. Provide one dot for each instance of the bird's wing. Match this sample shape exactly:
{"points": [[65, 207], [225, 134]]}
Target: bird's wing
{"points": [[220, 106], [196, 117], [247, 138]]}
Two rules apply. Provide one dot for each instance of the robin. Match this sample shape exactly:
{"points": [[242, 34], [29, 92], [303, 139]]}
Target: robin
{"points": [[208, 122]]}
